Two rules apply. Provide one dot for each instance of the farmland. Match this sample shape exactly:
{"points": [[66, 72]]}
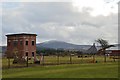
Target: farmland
{"points": [[82, 68]]}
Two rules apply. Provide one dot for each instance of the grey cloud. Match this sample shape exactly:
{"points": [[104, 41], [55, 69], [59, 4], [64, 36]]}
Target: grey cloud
{"points": [[58, 21]]}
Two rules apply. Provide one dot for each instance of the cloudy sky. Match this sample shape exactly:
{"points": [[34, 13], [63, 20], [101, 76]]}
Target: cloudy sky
{"points": [[75, 21]]}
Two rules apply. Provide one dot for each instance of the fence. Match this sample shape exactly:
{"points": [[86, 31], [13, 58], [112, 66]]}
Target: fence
{"points": [[58, 59]]}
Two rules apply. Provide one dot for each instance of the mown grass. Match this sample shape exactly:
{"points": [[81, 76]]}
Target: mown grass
{"points": [[88, 70], [84, 68]]}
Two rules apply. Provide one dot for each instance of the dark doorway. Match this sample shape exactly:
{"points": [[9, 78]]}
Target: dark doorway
{"points": [[32, 53], [26, 53]]}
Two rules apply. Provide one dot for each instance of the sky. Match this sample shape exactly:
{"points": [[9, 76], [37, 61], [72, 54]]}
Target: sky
{"points": [[74, 21]]}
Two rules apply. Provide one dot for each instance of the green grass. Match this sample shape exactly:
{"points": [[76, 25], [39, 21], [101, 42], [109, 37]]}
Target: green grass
{"points": [[88, 70], [65, 59], [84, 69]]}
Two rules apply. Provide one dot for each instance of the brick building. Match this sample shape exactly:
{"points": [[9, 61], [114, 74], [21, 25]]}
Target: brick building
{"points": [[21, 45]]}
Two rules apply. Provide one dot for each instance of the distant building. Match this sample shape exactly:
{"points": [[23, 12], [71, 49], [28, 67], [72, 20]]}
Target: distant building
{"points": [[21, 45], [114, 52], [92, 49]]}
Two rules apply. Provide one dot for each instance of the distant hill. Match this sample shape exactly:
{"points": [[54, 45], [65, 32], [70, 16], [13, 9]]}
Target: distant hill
{"points": [[3, 49], [61, 45]]}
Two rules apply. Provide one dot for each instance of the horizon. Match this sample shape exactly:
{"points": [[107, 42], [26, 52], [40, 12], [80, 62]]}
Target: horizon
{"points": [[97, 44]]}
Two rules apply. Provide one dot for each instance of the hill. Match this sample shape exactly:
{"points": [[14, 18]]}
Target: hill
{"points": [[61, 45], [3, 49]]}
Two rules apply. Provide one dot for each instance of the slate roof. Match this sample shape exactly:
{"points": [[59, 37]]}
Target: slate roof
{"points": [[92, 49]]}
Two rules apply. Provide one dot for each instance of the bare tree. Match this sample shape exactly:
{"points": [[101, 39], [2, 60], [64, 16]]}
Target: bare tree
{"points": [[104, 45]]}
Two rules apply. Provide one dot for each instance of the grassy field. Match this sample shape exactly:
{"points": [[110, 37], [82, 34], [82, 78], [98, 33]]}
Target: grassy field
{"points": [[84, 69], [90, 70], [53, 60]]}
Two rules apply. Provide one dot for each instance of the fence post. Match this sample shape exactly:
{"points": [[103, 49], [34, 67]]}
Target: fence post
{"points": [[70, 59], [82, 58], [8, 62], [114, 58], [27, 61], [43, 59], [58, 58], [93, 58]]}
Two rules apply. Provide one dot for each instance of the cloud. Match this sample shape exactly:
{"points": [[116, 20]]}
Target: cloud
{"points": [[58, 21], [97, 7]]}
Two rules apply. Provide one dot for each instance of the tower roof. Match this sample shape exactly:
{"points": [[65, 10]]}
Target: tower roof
{"points": [[21, 34]]}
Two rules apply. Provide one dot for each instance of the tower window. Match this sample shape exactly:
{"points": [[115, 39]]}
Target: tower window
{"points": [[26, 53], [15, 43], [21, 42], [32, 53], [26, 42], [33, 43]]}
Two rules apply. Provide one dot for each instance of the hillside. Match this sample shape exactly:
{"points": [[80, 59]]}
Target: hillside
{"points": [[61, 45]]}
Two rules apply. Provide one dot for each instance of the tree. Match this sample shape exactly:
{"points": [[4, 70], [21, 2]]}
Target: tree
{"points": [[104, 45]]}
